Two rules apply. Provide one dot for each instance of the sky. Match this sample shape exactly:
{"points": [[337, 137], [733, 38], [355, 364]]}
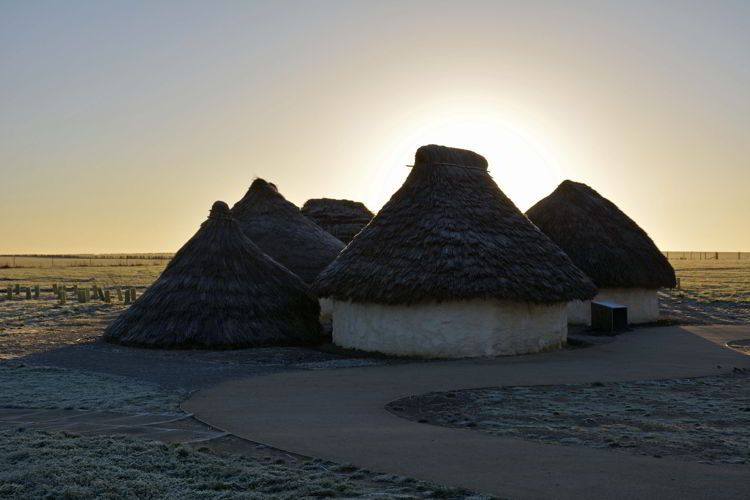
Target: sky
{"points": [[121, 122]]}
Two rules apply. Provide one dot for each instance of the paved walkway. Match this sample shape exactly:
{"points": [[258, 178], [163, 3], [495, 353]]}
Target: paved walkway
{"points": [[339, 415]]}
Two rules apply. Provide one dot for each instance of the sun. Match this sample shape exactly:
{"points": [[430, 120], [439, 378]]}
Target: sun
{"points": [[520, 163]]}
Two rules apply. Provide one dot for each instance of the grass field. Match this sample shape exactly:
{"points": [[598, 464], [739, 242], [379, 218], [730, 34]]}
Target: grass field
{"points": [[699, 419], [710, 291], [58, 464], [40, 464], [140, 275], [32, 324], [84, 260]]}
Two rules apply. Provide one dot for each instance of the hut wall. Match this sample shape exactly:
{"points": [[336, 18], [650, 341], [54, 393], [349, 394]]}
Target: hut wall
{"points": [[643, 305], [326, 307], [458, 329]]}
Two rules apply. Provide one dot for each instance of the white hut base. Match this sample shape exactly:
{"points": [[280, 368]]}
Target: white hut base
{"points": [[643, 305], [462, 329]]}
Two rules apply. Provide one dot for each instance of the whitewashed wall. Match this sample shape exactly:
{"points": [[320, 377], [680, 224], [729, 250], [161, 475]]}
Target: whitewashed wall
{"points": [[643, 305], [461, 329]]}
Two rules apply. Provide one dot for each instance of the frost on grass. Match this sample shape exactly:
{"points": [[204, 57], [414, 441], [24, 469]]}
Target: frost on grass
{"points": [[24, 316], [37, 464], [46, 387], [711, 291], [703, 419]]}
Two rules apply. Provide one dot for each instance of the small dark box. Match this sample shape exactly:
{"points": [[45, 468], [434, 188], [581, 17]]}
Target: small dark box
{"points": [[609, 318]]}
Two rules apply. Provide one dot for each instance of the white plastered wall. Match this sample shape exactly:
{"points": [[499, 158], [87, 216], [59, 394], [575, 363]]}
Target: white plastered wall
{"points": [[460, 329], [642, 303]]}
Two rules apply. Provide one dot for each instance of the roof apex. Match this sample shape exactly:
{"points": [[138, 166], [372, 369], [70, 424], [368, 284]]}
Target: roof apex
{"points": [[433, 154]]}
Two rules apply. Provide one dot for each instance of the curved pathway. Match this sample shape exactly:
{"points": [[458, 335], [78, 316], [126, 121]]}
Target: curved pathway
{"points": [[339, 415]]}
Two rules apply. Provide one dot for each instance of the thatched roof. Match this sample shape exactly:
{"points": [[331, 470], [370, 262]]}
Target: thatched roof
{"points": [[449, 233], [342, 218], [220, 291], [279, 229], [601, 240]]}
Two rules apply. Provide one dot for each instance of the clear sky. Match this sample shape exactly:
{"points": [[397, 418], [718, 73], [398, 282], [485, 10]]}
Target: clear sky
{"points": [[121, 122]]}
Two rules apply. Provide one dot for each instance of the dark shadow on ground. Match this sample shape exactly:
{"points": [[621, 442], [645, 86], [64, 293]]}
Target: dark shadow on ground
{"points": [[188, 369]]}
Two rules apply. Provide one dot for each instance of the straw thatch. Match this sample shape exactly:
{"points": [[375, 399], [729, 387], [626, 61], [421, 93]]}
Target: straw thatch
{"points": [[449, 233], [220, 291], [341, 218], [601, 240], [280, 230]]}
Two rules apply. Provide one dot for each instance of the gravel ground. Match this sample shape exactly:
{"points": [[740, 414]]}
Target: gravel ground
{"points": [[701, 419]]}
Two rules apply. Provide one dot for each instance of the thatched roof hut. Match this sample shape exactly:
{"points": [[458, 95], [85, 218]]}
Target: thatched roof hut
{"points": [[607, 245], [600, 239], [280, 230], [342, 218], [220, 291], [449, 240]]}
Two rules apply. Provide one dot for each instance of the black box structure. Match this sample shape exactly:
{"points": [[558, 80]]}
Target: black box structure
{"points": [[608, 318]]}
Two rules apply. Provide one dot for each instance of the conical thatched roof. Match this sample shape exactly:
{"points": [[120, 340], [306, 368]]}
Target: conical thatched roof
{"points": [[449, 233], [342, 218], [601, 240], [220, 291], [279, 229]]}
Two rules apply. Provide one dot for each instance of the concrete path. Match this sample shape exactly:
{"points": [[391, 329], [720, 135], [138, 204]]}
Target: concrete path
{"points": [[339, 415], [168, 428]]}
